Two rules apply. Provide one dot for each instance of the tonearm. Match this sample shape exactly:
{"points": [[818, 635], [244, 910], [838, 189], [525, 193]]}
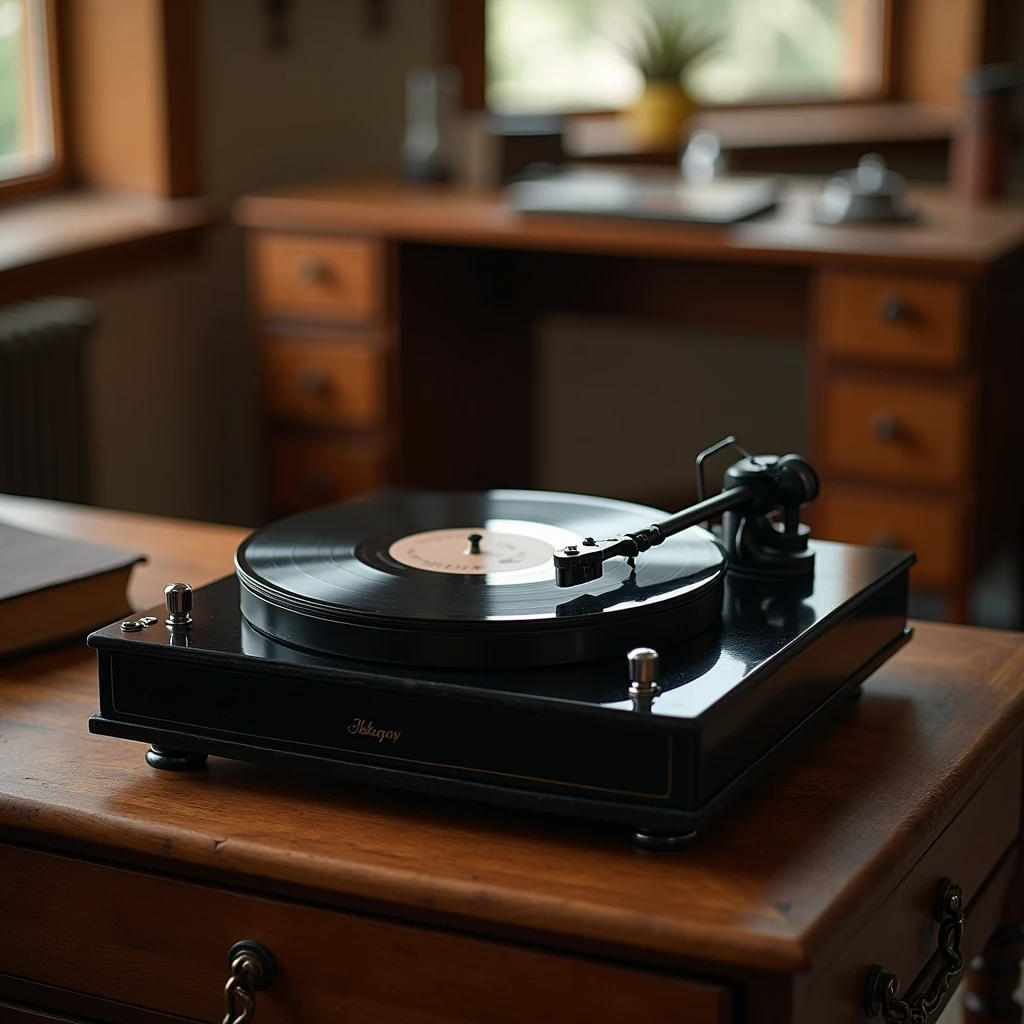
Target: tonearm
{"points": [[761, 529]]}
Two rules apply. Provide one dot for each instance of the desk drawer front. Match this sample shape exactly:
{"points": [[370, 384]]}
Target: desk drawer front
{"points": [[898, 320], [902, 934], [318, 278], [163, 944], [325, 382], [310, 470], [902, 433], [931, 529]]}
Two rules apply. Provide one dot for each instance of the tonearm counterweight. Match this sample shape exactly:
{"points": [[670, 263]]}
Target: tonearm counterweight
{"points": [[756, 542]]}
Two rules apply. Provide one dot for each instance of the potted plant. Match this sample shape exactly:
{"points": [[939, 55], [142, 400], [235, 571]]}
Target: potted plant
{"points": [[663, 49]]}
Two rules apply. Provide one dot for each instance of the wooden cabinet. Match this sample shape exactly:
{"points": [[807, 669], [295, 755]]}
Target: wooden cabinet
{"points": [[316, 469], [914, 334], [78, 925], [324, 354], [316, 278], [872, 515], [899, 422], [324, 380], [880, 430], [894, 320]]}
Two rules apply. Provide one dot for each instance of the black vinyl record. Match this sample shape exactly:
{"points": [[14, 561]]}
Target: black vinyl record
{"points": [[467, 580]]}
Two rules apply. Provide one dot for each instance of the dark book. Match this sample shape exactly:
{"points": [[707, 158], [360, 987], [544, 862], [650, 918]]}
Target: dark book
{"points": [[54, 590]]}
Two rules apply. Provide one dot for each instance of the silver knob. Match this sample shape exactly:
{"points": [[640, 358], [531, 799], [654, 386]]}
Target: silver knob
{"points": [[643, 672], [178, 599]]}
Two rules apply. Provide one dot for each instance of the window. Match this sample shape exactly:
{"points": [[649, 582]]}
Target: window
{"points": [[27, 130], [567, 54]]}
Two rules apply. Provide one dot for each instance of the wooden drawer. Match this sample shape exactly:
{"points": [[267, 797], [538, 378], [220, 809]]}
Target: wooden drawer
{"points": [[902, 934], [12, 1014], [325, 382], [162, 943], [894, 320], [932, 529], [307, 470], [318, 278], [902, 433]]}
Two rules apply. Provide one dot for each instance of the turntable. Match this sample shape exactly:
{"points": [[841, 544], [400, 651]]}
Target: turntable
{"points": [[551, 652]]}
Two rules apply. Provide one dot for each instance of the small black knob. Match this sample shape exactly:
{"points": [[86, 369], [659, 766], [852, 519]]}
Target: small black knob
{"points": [[474, 543], [887, 427], [892, 308]]}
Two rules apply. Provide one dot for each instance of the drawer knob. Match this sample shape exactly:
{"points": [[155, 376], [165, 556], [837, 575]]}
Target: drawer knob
{"points": [[892, 308], [252, 967], [882, 991], [887, 427], [314, 381], [313, 270]]}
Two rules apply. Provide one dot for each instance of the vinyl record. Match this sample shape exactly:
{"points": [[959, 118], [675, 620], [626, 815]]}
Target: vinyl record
{"points": [[467, 580]]}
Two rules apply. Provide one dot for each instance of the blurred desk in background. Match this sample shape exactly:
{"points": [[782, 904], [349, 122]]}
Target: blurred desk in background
{"points": [[395, 329]]}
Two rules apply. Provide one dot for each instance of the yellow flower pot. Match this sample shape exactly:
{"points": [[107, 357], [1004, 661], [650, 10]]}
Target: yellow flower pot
{"points": [[658, 117]]}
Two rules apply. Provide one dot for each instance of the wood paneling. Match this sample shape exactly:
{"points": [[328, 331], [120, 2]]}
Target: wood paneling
{"points": [[894, 320], [780, 883], [896, 432], [304, 277], [77, 925], [931, 529], [320, 380]]}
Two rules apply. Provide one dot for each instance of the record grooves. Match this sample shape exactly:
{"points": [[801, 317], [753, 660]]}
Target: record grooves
{"points": [[466, 580]]}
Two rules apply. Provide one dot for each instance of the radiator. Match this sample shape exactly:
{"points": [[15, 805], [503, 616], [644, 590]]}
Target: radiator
{"points": [[43, 449]]}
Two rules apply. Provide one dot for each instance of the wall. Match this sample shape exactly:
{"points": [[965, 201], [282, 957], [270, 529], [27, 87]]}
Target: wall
{"points": [[172, 368]]}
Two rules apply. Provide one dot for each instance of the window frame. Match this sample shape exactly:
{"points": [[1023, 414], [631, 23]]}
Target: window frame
{"points": [[54, 177], [466, 34]]}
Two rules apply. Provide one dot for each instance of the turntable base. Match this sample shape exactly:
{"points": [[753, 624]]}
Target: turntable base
{"points": [[565, 739]]}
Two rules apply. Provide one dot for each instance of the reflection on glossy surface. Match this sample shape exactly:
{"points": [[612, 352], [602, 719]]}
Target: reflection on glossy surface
{"points": [[761, 625]]}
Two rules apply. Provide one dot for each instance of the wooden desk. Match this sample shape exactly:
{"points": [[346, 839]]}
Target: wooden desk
{"points": [[395, 324], [122, 888]]}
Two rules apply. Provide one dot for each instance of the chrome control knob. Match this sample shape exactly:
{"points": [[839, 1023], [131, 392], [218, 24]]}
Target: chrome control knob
{"points": [[178, 599], [643, 672]]}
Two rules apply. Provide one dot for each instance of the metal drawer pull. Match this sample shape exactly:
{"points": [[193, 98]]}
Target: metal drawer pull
{"points": [[252, 968], [882, 992]]}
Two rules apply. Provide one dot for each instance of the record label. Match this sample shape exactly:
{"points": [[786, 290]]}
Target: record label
{"points": [[470, 551]]}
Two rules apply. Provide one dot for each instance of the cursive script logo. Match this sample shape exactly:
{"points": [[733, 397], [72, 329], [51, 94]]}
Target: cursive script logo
{"points": [[362, 727]]}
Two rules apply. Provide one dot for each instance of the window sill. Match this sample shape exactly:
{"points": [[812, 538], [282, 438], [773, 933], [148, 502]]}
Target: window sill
{"points": [[861, 125], [63, 240]]}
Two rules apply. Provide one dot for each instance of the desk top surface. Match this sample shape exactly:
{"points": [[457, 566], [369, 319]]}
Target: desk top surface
{"points": [[813, 851], [949, 236]]}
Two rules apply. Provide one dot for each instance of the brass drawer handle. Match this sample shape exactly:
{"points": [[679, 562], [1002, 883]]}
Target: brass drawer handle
{"points": [[252, 967], [882, 992]]}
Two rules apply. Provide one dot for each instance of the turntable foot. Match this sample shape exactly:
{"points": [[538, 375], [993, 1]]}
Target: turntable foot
{"points": [[663, 842], [171, 760]]}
